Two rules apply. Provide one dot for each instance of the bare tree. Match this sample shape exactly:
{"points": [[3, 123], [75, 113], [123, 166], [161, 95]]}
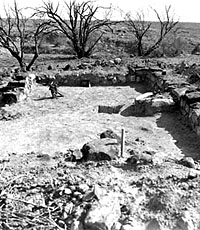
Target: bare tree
{"points": [[79, 24], [16, 31], [141, 29]]}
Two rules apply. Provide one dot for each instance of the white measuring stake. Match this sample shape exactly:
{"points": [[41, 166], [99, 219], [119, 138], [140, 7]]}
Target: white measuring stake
{"points": [[122, 142]]}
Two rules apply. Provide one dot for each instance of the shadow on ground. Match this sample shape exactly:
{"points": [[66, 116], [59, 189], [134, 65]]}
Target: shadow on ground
{"points": [[185, 138], [42, 98], [140, 87], [46, 98]]}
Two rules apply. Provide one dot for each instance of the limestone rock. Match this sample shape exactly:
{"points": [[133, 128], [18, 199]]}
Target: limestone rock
{"points": [[109, 134], [67, 191], [77, 154], [144, 96], [111, 62], [179, 92], [83, 188], [192, 97], [193, 173], [117, 61], [149, 104], [104, 213], [122, 78], [144, 157], [159, 105], [100, 149], [142, 71], [188, 162]]}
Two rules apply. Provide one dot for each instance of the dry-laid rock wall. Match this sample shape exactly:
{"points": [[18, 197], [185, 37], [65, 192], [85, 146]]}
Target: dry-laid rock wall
{"points": [[86, 78], [186, 96], [17, 89]]}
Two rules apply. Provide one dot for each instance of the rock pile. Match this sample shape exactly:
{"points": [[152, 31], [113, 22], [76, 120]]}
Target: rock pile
{"points": [[17, 89], [132, 193]]}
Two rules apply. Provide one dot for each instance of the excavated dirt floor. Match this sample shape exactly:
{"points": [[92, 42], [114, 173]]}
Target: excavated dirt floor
{"points": [[50, 127]]}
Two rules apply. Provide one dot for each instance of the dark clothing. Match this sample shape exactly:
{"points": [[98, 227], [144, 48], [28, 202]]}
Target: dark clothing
{"points": [[54, 90]]}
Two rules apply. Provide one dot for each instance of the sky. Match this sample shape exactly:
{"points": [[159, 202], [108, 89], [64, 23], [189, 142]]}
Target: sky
{"points": [[184, 10]]}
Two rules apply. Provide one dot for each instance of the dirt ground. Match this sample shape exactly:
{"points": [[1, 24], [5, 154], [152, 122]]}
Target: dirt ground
{"points": [[34, 147], [52, 125]]}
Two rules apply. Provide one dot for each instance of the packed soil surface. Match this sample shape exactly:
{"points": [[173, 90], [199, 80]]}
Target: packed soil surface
{"points": [[35, 165], [55, 125]]}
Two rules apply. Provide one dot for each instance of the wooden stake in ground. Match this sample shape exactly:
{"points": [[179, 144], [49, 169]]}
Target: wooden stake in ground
{"points": [[122, 142]]}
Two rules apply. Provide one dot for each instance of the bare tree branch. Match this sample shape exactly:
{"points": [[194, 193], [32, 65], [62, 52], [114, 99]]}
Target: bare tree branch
{"points": [[166, 25], [79, 25], [15, 32], [140, 29]]}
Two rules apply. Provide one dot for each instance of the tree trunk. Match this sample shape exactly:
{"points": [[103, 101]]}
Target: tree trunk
{"points": [[140, 48], [19, 59], [36, 55]]}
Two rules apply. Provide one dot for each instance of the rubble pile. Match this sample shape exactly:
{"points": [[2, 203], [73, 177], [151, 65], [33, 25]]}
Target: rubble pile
{"points": [[57, 193], [17, 88]]}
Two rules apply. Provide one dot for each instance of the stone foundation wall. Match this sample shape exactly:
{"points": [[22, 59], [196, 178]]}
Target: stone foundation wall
{"points": [[18, 89], [76, 78], [186, 96]]}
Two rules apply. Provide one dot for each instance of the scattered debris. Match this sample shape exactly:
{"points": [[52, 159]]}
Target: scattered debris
{"points": [[7, 116]]}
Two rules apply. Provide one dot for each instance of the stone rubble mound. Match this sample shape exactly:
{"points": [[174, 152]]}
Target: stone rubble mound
{"points": [[16, 88], [103, 199]]}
